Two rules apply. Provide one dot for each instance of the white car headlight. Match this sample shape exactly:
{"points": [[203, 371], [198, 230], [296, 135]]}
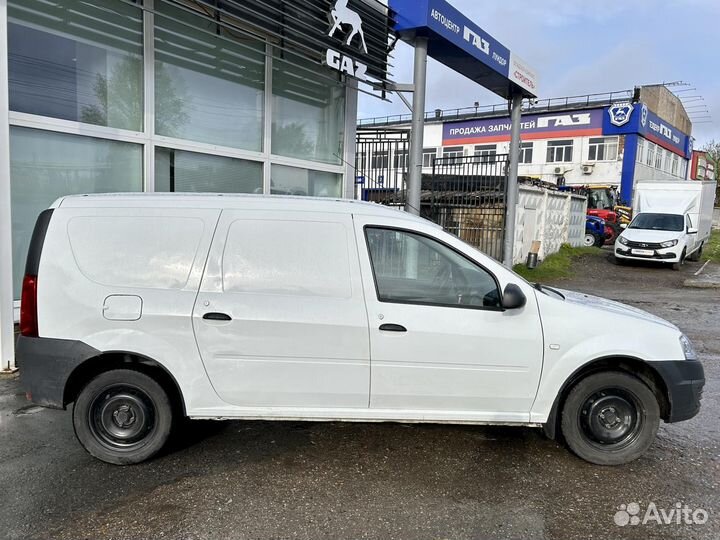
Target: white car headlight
{"points": [[688, 349], [669, 243], [623, 240]]}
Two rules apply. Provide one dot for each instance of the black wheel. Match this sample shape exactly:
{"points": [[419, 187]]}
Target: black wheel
{"points": [[122, 417], [618, 261], [698, 253], [676, 266], [599, 240], [610, 418]]}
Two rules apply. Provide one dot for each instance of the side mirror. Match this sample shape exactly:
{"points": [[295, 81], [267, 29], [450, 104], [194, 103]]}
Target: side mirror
{"points": [[513, 297], [692, 230], [623, 225]]}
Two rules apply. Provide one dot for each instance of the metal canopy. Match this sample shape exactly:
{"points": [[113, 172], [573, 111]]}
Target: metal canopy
{"points": [[460, 44]]}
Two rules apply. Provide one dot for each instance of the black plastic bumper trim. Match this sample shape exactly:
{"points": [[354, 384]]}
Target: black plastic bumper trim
{"points": [[46, 364], [684, 380]]}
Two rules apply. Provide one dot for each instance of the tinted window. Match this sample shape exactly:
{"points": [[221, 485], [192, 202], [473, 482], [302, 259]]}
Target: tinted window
{"points": [[77, 60], [411, 268], [658, 222]]}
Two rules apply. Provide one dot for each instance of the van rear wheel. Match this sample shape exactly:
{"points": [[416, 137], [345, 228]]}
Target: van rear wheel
{"points": [[610, 418], [122, 417]]}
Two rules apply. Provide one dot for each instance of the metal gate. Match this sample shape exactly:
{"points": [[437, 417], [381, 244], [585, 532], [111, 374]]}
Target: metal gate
{"points": [[381, 166], [466, 196]]}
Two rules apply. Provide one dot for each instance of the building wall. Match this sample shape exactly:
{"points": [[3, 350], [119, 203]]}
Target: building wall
{"points": [[111, 96], [606, 171]]}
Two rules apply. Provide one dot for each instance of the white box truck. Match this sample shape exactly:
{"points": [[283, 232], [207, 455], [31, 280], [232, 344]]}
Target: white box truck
{"points": [[672, 222]]}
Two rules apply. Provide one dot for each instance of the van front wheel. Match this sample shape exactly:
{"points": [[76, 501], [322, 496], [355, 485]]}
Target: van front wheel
{"points": [[122, 417], [610, 418]]}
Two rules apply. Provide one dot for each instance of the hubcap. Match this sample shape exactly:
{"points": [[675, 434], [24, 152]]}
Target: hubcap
{"points": [[589, 240], [121, 417], [611, 418]]}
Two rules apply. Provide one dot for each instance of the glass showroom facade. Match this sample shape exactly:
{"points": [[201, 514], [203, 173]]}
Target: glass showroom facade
{"points": [[119, 95]]}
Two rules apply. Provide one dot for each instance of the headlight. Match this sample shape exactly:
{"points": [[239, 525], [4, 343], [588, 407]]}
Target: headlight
{"points": [[623, 240], [688, 349], [669, 243]]}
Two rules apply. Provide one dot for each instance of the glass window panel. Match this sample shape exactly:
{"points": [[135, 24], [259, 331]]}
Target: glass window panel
{"points": [[45, 166], [293, 181], [207, 88], [180, 171], [559, 151], [380, 159], [308, 113], [411, 268], [77, 60], [526, 152], [429, 155]]}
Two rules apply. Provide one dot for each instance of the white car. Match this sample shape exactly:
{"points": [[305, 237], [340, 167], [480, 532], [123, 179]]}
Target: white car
{"points": [[660, 237], [139, 309]]}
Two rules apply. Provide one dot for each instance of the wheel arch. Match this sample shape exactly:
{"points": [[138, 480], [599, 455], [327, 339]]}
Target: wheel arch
{"points": [[106, 361], [627, 364]]}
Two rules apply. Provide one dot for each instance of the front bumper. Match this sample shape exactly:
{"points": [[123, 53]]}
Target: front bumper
{"points": [[46, 365], [661, 255], [684, 380]]}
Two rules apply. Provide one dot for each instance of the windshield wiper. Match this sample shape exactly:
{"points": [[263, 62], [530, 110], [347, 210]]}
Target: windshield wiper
{"points": [[542, 288]]}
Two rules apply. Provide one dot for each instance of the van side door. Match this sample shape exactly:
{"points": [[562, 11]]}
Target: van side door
{"points": [[280, 319], [440, 343]]}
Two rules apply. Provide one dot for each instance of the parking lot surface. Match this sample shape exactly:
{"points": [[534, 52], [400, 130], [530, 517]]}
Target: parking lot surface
{"points": [[226, 480]]}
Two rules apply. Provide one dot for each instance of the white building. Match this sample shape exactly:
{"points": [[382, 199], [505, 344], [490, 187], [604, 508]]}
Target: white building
{"points": [[614, 139]]}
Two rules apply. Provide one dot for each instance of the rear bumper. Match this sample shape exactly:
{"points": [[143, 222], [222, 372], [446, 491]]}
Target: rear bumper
{"points": [[46, 365], [684, 380]]}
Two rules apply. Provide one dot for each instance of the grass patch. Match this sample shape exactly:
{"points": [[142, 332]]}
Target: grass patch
{"points": [[711, 251], [557, 265]]}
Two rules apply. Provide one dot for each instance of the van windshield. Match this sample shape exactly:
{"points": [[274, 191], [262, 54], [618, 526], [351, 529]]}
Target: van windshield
{"points": [[658, 222]]}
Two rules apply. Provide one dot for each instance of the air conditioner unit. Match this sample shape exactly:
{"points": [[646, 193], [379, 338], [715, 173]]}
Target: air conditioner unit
{"points": [[558, 170], [587, 169]]}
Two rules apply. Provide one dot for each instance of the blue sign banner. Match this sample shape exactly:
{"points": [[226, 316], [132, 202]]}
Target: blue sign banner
{"points": [[462, 45], [626, 118]]}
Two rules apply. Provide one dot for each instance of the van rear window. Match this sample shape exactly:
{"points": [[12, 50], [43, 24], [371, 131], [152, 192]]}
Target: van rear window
{"points": [[299, 258], [135, 251]]}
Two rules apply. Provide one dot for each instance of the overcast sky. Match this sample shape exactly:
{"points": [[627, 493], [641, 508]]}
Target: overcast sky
{"points": [[583, 47]]}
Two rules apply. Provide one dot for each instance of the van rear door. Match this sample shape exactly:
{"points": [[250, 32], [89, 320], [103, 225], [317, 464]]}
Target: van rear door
{"points": [[280, 319]]}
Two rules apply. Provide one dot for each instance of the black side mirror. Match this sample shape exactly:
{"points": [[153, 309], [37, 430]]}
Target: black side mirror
{"points": [[513, 297]]}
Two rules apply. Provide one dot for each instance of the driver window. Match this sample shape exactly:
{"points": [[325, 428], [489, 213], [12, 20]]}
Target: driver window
{"points": [[411, 268]]}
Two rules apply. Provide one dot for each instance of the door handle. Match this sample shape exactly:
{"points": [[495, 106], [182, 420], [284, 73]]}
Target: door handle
{"points": [[392, 328], [217, 317]]}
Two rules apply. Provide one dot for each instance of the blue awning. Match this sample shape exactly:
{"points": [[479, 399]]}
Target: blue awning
{"points": [[460, 44]]}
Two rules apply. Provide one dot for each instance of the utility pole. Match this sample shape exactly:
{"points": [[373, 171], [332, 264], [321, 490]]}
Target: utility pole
{"points": [[414, 183], [512, 181]]}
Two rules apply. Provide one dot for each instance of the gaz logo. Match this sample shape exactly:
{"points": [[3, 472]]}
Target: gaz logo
{"points": [[644, 115], [620, 113], [342, 16]]}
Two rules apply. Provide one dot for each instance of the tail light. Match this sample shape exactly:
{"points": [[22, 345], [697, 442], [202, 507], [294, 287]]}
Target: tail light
{"points": [[28, 307]]}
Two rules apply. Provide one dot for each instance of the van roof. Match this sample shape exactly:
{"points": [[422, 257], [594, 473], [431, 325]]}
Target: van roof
{"points": [[231, 200]]}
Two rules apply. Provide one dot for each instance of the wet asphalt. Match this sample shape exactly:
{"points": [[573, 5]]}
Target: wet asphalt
{"points": [[226, 480]]}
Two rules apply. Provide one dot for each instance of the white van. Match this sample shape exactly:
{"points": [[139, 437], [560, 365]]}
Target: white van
{"points": [[672, 223], [142, 309]]}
